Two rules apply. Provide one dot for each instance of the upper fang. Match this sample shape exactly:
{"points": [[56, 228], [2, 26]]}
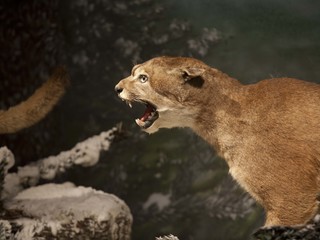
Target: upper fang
{"points": [[129, 103]]}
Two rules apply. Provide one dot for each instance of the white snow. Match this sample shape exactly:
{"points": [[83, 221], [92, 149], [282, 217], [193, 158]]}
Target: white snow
{"points": [[169, 237], [29, 174], [51, 190], [86, 154], [7, 156], [159, 199], [11, 186]]}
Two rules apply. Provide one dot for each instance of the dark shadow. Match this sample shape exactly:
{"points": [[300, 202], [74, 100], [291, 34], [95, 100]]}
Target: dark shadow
{"points": [[196, 82]]}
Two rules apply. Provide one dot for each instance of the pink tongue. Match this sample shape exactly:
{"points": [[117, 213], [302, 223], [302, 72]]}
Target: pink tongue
{"points": [[146, 113]]}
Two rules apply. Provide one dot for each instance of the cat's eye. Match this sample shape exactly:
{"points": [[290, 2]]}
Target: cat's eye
{"points": [[143, 78]]}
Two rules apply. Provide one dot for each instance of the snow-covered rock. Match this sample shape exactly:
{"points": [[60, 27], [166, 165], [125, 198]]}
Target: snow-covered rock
{"points": [[64, 211]]}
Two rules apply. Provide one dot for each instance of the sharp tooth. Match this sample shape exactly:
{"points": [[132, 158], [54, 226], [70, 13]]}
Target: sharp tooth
{"points": [[129, 103], [139, 122]]}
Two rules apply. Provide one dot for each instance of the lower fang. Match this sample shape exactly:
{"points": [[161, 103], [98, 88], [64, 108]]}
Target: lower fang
{"points": [[139, 122]]}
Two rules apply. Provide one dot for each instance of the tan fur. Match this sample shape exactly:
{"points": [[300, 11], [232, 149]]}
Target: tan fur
{"points": [[268, 132], [35, 107]]}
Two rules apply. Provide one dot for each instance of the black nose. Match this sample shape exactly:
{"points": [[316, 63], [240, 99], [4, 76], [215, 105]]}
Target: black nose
{"points": [[118, 89]]}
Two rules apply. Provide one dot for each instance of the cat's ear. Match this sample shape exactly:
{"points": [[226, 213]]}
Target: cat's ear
{"points": [[191, 72]]}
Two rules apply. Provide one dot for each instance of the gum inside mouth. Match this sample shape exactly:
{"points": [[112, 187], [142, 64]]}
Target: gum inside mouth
{"points": [[149, 117]]}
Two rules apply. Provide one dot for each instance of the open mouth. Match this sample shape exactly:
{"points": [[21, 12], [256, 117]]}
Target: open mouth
{"points": [[149, 116]]}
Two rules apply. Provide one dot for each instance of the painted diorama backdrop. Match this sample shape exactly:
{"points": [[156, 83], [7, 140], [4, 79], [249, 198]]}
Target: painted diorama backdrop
{"points": [[172, 181]]}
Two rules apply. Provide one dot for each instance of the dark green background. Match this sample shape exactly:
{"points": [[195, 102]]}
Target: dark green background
{"points": [[99, 42]]}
